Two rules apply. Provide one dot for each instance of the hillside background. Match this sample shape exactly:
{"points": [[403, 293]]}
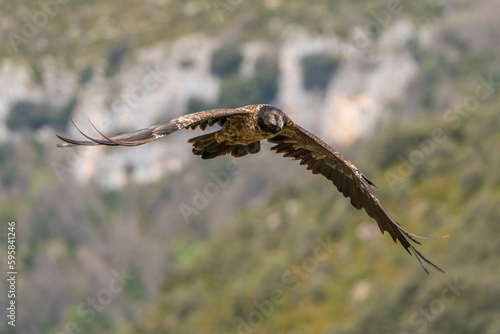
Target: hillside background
{"points": [[408, 91]]}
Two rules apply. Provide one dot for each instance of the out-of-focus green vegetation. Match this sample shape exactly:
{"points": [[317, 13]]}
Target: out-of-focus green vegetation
{"points": [[264, 273], [318, 69], [367, 284], [237, 90], [25, 115], [226, 61], [94, 30]]}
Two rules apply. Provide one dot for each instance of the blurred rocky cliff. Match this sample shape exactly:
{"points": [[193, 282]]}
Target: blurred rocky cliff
{"points": [[341, 89]]}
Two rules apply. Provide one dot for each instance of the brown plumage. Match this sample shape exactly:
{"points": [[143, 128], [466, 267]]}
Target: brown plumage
{"points": [[241, 131]]}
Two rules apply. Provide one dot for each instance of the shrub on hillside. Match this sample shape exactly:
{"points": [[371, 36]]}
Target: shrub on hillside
{"points": [[262, 87], [26, 115], [226, 61], [318, 69], [238, 91], [196, 103]]}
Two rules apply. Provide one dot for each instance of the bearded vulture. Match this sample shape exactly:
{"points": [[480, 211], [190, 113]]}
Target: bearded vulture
{"points": [[242, 129]]}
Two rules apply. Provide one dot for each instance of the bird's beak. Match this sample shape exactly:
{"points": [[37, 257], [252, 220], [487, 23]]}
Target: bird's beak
{"points": [[281, 123]]}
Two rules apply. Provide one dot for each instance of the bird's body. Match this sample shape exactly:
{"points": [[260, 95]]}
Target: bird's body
{"points": [[242, 130]]}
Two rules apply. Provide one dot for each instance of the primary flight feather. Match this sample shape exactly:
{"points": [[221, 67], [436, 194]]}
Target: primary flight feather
{"points": [[242, 129]]}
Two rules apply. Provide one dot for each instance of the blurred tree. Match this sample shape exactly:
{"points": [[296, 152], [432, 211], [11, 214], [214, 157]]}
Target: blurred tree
{"points": [[226, 61], [262, 87], [116, 55], [318, 69], [26, 115], [238, 91], [198, 104]]}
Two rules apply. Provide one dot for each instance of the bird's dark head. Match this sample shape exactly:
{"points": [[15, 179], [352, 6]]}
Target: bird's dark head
{"points": [[271, 119]]}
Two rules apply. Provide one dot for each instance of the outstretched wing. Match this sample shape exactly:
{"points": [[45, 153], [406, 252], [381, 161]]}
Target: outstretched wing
{"points": [[139, 137], [298, 143]]}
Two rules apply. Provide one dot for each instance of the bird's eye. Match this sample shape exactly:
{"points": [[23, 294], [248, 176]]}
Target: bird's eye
{"points": [[272, 120]]}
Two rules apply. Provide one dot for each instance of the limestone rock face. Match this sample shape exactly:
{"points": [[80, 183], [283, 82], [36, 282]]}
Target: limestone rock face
{"points": [[157, 84]]}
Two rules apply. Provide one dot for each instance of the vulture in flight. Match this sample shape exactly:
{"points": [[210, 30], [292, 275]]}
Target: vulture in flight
{"points": [[242, 129]]}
